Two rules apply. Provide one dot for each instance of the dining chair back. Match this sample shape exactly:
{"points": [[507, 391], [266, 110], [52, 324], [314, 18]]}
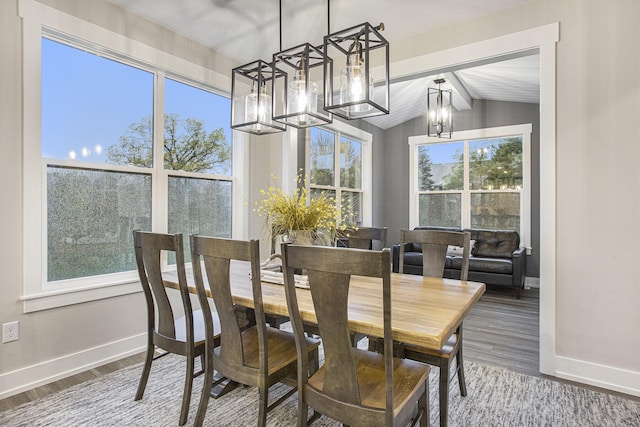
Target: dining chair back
{"points": [[435, 244], [256, 356], [366, 237], [178, 334], [355, 387]]}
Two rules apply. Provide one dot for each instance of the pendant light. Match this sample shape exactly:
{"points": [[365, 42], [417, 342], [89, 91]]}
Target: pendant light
{"points": [[251, 103], [298, 91], [251, 96], [365, 55], [439, 111]]}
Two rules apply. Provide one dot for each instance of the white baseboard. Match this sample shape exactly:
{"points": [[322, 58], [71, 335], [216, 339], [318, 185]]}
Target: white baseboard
{"points": [[29, 377], [532, 282], [602, 376]]}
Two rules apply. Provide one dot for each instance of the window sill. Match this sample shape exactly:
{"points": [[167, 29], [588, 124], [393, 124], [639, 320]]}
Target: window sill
{"points": [[48, 300]]}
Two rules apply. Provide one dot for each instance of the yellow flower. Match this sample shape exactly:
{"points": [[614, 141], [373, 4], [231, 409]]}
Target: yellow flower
{"points": [[285, 213]]}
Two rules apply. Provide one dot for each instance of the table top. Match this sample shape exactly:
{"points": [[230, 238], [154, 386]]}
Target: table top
{"points": [[425, 311]]}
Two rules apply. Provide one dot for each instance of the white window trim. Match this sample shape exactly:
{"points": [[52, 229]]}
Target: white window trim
{"points": [[36, 19], [495, 132], [367, 161]]}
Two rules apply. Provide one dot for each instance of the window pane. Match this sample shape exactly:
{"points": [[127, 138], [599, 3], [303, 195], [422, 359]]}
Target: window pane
{"points": [[350, 163], [91, 215], [351, 208], [440, 210], [197, 131], [199, 206], [495, 164], [495, 211], [94, 109], [441, 167], [321, 157]]}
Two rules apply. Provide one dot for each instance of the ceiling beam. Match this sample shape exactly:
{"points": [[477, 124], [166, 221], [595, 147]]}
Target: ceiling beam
{"points": [[463, 100]]}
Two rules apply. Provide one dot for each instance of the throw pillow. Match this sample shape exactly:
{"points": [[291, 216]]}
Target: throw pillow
{"points": [[457, 250]]}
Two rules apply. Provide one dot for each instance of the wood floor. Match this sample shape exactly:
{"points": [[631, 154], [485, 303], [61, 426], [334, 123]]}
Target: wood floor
{"points": [[500, 330]]}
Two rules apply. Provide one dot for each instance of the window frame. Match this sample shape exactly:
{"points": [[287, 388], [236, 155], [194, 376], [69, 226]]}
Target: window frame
{"points": [[341, 129], [42, 21], [523, 130]]}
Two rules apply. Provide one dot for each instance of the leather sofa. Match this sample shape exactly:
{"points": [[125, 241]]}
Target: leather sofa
{"points": [[496, 258]]}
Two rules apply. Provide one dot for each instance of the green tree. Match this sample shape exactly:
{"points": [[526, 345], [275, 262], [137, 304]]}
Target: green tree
{"points": [[425, 181], [454, 180], [495, 165], [187, 146], [322, 147]]}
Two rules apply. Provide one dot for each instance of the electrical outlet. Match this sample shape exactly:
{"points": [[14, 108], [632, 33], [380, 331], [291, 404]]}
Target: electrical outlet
{"points": [[10, 332]]}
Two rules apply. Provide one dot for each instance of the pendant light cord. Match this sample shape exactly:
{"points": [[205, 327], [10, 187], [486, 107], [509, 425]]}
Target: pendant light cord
{"points": [[328, 16], [280, 22]]}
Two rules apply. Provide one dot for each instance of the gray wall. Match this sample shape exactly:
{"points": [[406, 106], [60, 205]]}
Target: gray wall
{"points": [[484, 114]]}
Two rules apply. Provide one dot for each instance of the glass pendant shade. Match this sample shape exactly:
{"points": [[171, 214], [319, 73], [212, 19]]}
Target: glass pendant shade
{"points": [[439, 112], [297, 101], [353, 90], [364, 54], [251, 101]]}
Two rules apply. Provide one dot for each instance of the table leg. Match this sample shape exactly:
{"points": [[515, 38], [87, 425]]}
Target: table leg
{"points": [[221, 386]]}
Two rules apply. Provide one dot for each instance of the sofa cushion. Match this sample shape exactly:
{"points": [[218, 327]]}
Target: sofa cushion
{"points": [[487, 265], [413, 258], [494, 243]]}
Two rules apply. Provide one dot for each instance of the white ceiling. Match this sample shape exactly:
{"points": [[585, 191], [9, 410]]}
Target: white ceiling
{"points": [[246, 30]]}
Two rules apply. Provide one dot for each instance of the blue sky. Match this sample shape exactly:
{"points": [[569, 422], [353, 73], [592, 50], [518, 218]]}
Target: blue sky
{"points": [[88, 102]]}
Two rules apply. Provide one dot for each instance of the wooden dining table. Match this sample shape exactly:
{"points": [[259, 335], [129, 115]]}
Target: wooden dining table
{"points": [[425, 311]]}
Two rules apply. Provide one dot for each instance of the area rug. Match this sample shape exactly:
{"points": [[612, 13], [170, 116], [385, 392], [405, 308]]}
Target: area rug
{"points": [[496, 397]]}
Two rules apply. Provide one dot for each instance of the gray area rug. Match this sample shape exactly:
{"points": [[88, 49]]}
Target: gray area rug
{"points": [[496, 397]]}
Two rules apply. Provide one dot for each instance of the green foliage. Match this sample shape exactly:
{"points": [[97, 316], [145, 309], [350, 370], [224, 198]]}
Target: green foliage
{"points": [[497, 165], [286, 213], [424, 170], [187, 146]]}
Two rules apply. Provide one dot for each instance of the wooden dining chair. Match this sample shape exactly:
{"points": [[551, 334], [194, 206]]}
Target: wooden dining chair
{"points": [[183, 335], [355, 387], [257, 356], [366, 237], [435, 244]]}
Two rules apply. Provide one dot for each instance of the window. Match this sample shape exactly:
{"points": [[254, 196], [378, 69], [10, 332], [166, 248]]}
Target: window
{"points": [[110, 159], [479, 180], [339, 165]]}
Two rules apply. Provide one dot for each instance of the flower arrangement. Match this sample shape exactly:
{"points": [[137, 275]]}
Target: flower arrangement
{"points": [[286, 214]]}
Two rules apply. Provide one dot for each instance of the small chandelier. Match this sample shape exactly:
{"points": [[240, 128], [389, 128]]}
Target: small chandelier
{"points": [[251, 103], [439, 111], [297, 101], [362, 49]]}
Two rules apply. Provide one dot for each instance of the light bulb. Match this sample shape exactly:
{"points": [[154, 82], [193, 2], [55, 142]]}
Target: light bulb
{"points": [[352, 88], [258, 108], [303, 99]]}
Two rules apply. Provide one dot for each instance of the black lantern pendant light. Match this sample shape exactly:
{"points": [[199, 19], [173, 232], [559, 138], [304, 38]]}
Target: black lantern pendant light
{"points": [[251, 103], [364, 78], [298, 93], [439, 111]]}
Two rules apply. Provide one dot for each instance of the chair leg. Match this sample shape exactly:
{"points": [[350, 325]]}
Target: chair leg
{"points": [[460, 363], [303, 410], [264, 401], [186, 396], [146, 369], [206, 390], [444, 391]]}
